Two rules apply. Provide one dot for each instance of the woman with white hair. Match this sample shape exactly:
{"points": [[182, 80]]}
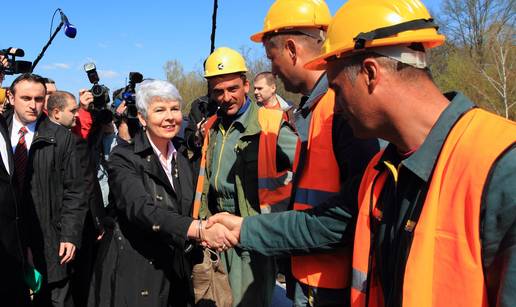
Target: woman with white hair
{"points": [[152, 187]]}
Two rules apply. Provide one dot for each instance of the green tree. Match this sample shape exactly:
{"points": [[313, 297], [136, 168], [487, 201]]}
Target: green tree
{"points": [[190, 85]]}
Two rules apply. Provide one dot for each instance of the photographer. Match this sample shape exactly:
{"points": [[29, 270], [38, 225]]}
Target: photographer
{"points": [[84, 119], [3, 91], [3, 63]]}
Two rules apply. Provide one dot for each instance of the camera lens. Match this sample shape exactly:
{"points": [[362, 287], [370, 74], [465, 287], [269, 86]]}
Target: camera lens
{"points": [[97, 90]]}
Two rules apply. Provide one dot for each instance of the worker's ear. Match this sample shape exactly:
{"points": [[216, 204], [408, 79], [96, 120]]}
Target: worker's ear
{"points": [[291, 49], [371, 73]]}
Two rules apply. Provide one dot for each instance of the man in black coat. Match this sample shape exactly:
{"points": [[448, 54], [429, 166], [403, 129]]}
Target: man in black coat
{"points": [[13, 291], [51, 187], [63, 109]]}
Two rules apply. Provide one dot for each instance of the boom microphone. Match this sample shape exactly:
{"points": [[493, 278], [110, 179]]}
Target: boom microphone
{"points": [[70, 29]]}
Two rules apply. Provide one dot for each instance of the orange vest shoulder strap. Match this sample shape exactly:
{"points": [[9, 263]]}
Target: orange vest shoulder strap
{"points": [[202, 169]]}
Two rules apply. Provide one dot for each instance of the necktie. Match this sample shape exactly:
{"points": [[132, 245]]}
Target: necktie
{"points": [[20, 158]]}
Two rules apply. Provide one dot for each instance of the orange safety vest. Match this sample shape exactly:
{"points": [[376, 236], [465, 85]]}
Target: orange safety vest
{"points": [[320, 179], [444, 266], [274, 188]]}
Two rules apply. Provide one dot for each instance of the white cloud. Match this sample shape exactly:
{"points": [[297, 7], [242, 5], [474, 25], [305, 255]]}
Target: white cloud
{"points": [[103, 45], [108, 74], [56, 66], [138, 45], [62, 65]]}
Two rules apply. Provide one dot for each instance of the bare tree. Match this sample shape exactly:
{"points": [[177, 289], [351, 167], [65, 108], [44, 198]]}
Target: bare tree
{"points": [[499, 68], [467, 22]]}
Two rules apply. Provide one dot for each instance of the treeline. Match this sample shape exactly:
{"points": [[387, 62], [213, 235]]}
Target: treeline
{"points": [[479, 56], [477, 59], [192, 84]]}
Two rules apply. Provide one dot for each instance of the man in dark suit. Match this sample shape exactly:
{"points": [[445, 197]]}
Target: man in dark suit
{"points": [[13, 291], [48, 177]]}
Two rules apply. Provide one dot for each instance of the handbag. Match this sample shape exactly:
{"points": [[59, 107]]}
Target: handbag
{"points": [[210, 281]]}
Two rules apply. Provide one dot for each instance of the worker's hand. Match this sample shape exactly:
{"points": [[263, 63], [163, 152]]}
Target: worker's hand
{"points": [[218, 237], [232, 222], [85, 98], [66, 251]]}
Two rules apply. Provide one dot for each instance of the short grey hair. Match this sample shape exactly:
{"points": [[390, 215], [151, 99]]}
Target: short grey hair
{"points": [[149, 89], [59, 100]]}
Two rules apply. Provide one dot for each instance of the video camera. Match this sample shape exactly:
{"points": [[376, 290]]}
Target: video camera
{"points": [[128, 94], [13, 66], [99, 91]]}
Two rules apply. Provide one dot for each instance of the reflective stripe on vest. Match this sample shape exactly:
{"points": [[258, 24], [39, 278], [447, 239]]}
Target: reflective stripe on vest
{"points": [[444, 266], [274, 188], [320, 179]]}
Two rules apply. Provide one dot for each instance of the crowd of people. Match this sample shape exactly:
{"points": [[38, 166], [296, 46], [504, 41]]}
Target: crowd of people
{"points": [[376, 189]]}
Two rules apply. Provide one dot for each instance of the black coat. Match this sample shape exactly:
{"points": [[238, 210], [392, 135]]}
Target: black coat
{"points": [[55, 201], [12, 252], [151, 268]]}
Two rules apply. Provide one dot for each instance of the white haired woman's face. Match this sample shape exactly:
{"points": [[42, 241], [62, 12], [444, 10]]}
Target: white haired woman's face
{"points": [[163, 119]]}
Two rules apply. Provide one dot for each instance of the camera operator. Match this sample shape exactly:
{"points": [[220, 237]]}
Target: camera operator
{"points": [[3, 91], [3, 62]]}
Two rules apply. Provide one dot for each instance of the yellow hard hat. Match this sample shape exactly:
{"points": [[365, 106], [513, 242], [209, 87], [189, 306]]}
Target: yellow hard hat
{"points": [[361, 24], [288, 14], [3, 94], [224, 61]]}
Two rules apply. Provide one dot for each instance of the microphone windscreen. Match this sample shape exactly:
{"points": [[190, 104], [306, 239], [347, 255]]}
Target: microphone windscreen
{"points": [[70, 30]]}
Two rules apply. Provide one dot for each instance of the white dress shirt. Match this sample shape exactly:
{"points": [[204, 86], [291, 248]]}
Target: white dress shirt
{"points": [[3, 152], [166, 161], [15, 133]]}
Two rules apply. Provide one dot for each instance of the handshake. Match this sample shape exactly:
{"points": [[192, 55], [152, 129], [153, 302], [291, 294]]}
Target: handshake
{"points": [[220, 232]]}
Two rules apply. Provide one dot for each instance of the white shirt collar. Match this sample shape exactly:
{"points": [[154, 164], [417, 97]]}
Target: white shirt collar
{"points": [[171, 150], [165, 161], [17, 125], [15, 136]]}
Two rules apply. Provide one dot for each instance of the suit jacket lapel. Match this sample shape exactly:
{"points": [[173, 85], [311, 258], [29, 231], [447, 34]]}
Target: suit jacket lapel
{"points": [[154, 169]]}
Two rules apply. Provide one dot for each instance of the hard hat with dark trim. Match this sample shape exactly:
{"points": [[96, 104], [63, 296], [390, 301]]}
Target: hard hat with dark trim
{"points": [[360, 25], [288, 14], [224, 61]]}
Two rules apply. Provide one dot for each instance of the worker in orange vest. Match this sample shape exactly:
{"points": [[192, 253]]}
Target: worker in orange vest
{"points": [[330, 155], [437, 219], [246, 167]]}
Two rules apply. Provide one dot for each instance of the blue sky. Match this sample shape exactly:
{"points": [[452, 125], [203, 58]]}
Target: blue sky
{"points": [[123, 36]]}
